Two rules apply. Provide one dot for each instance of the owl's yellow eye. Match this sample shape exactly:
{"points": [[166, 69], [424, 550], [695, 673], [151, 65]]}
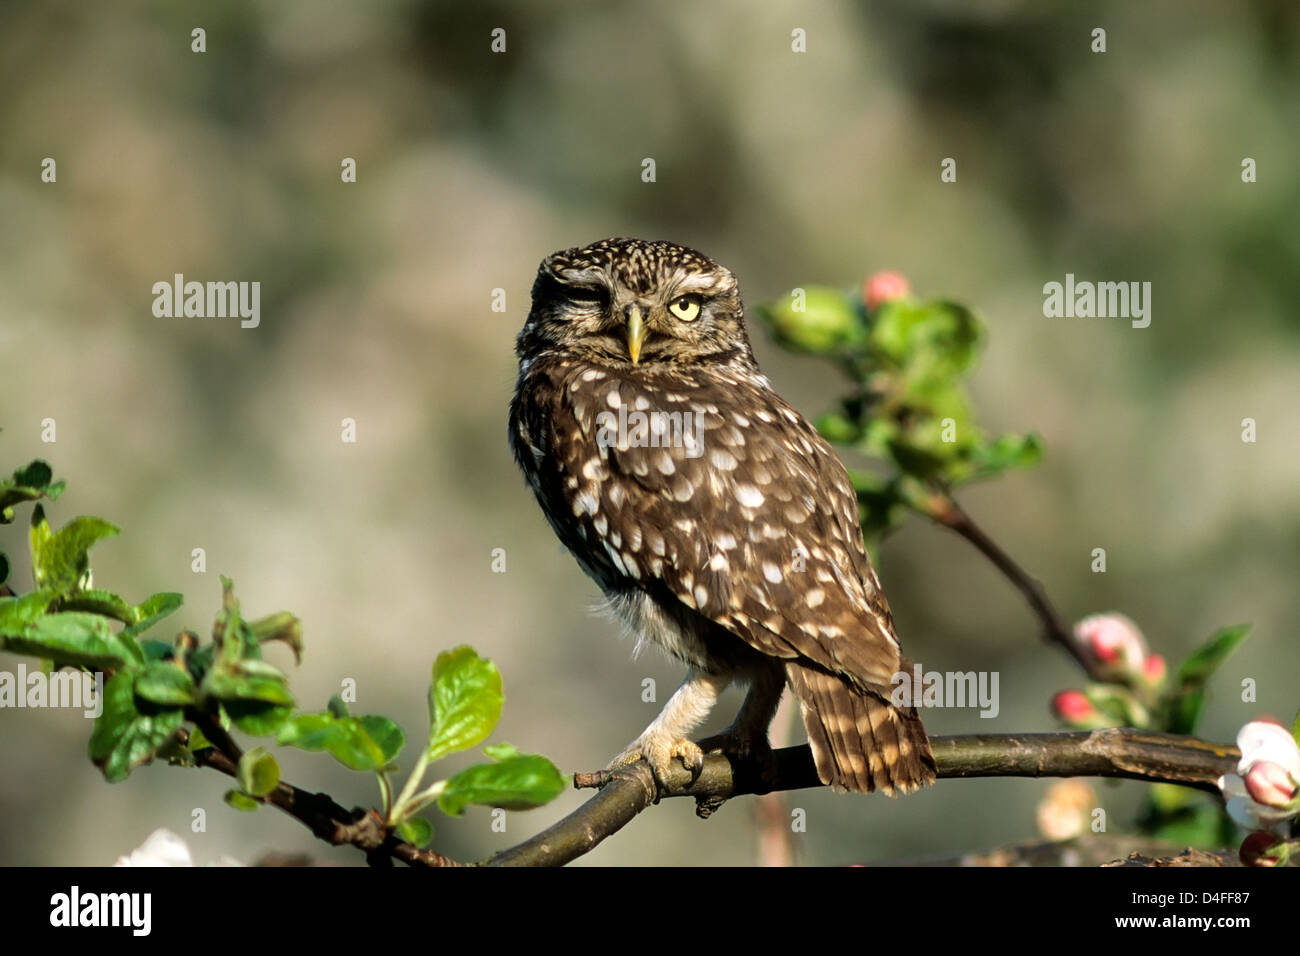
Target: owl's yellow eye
{"points": [[685, 307]]}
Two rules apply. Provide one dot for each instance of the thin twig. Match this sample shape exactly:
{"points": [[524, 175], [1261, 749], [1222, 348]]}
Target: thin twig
{"points": [[945, 510], [318, 812]]}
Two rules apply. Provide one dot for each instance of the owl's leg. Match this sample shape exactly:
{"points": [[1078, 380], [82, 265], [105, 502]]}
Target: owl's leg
{"points": [[666, 737], [746, 738]]}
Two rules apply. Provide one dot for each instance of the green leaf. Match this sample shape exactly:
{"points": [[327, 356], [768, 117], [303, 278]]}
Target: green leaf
{"points": [[227, 632], [152, 610], [27, 484], [839, 428], [385, 733], [76, 638], [164, 683], [36, 474], [416, 831], [198, 741], [359, 743], [465, 701], [931, 341], [827, 322], [61, 560], [255, 717], [516, 783], [104, 603], [1205, 660], [18, 612], [1185, 709], [502, 751], [127, 735], [156, 651], [248, 679], [259, 773], [281, 626], [1010, 451], [241, 801], [1118, 704]]}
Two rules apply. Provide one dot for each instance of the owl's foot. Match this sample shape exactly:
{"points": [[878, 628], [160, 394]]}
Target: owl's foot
{"points": [[744, 747], [659, 751]]}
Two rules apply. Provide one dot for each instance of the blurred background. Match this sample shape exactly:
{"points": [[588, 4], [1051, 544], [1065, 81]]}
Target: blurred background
{"points": [[790, 168]]}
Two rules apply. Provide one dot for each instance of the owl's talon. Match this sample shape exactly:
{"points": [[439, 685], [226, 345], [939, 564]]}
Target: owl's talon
{"points": [[659, 752], [744, 749]]}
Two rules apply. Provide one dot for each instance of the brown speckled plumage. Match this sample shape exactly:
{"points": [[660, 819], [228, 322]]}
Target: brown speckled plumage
{"points": [[725, 529]]}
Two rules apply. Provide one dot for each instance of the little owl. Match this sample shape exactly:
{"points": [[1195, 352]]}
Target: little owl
{"points": [[717, 521]]}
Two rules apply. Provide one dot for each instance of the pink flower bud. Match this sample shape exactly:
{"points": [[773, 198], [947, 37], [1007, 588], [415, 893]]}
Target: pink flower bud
{"points": [[1154, 669], [1114, 641], [1073, 707], [1269, 784], [1255, 849], [884, 286]]}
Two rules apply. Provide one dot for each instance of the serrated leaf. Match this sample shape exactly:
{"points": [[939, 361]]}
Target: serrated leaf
{"points": [[516, 783], [259, 773], [240, 801], [1207, 658], [416, 831], [465, 701], [127, 735], [104, 603], [384, 732], [74, 637], [61, 559], [152, 610], [366, 743], [17, 612], [164, 683]]}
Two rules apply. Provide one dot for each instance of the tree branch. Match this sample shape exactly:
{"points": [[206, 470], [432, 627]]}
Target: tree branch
{"points": [[944, 509], [318, 812], [1127, 753]]}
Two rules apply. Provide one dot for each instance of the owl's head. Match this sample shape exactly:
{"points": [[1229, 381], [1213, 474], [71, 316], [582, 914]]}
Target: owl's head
{"points": [[636, 302]]}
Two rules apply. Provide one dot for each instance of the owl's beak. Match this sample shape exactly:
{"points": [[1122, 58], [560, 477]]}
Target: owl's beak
{"points": [[635, 333]]}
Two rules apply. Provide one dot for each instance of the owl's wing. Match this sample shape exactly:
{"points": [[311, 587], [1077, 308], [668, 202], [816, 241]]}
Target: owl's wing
{"points": [[737, 505]]}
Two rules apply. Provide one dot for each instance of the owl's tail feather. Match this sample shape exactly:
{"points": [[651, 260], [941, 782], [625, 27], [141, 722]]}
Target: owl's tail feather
{"points": [[861, 742]]}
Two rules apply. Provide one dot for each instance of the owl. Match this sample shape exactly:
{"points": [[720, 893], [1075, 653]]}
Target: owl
{"points": [[716, 520]]}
